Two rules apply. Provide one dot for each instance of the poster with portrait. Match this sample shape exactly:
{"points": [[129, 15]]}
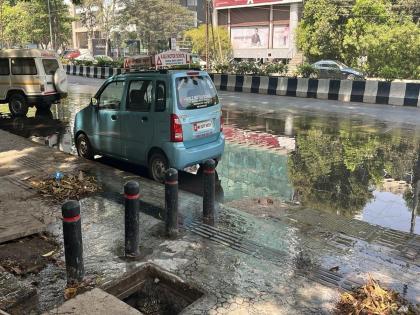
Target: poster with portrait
{"points": [[249, 37], [281, 36]]}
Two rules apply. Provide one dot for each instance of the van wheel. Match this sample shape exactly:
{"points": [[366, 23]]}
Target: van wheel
{"points": [[158, 164], [84, 148], [18, 105]]}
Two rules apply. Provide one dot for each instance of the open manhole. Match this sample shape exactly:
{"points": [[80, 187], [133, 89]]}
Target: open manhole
{"points": [[152, 290]]}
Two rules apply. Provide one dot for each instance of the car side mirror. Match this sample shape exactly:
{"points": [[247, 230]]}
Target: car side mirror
{"points": [[94, 101]]}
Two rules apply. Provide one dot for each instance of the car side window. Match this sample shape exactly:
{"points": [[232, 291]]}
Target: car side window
{"points": [[140, 96], [24, 66], [4, 66], [160, 103], [334, 66], [111, 96]]}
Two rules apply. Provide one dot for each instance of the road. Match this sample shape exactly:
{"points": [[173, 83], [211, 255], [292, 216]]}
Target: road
{"points": [[356, 160]]}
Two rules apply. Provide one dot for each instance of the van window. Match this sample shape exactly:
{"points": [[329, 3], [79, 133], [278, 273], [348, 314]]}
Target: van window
{"points": [[140, 96], [160, 103], [196, 92], [4, 66], [110, 97], [23, 66], [50, 66]]}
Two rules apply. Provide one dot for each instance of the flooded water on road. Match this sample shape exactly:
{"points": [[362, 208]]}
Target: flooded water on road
{"points": [[351, 166]]}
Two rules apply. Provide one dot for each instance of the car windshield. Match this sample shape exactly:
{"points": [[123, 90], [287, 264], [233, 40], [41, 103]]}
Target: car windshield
{"points": [[196, 92], [341, 65]]}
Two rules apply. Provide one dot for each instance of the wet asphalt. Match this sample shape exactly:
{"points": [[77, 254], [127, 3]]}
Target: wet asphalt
{"points": [[355, 160]]}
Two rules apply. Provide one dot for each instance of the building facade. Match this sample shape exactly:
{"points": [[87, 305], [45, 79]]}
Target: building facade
{"points": [[260, 28]]}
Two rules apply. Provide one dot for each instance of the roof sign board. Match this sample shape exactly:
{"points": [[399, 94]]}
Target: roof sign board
{"points": [[172, 58], [219, 4]]}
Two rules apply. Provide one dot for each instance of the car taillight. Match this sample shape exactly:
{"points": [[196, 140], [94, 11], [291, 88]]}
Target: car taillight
{"points": [[176, 129], [221, 122]]}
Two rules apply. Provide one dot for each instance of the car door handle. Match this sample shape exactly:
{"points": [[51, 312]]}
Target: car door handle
{"points": [[144, 118], [114, 117]]}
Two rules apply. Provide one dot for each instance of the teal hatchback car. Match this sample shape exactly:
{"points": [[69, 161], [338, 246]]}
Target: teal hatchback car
{"points": [[158, 119]]}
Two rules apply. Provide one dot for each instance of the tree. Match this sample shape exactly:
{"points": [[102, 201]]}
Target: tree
{"points": [[156, 20], [365, 16], [320, 33], [28, 22], [220, 48], [89, 18]]}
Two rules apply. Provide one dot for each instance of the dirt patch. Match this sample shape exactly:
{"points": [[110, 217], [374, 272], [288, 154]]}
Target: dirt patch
{"points": [[27, 255], [66, 186], [262, 207]]}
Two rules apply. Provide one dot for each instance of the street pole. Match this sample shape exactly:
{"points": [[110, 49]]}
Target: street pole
{"points": [[51, 35], [207, 35], [1, 24]]}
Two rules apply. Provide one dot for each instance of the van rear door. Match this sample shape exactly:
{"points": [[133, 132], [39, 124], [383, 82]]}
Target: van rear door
{"points": [[199, 109], [50, 66]]}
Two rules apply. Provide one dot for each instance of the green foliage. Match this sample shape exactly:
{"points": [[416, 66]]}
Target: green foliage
{"points": [[221, 67], [25, 22], [306, 70], [378, 36], [246, 67], [320, 34], [271, 68], [155, 20], [220, 49]]}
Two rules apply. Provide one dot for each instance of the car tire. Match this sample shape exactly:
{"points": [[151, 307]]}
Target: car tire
{"points": [[84, 148], [18, 105], [158, 164]]}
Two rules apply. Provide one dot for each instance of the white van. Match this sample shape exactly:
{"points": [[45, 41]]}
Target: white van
{"points": [[31, 77]]}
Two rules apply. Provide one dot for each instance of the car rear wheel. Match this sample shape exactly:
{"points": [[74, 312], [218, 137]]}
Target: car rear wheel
{"points": [[158, 164], [84, 148], [18, 105]]}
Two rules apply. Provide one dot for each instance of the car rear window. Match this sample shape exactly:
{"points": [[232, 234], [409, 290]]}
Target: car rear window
{"points": [[50, 65], [23, 66], [196, 92]]}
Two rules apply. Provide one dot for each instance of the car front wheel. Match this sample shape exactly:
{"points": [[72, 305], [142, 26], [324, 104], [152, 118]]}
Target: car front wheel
{"points": [[158, 164], [84, 148]]}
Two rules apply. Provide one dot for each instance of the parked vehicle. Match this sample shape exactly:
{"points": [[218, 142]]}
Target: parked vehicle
{"points": [[332, 69], [159, 119], [71, 54], [31, 77]]}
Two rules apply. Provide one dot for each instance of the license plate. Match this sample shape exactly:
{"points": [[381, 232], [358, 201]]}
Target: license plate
{"points": [[203, 125]]}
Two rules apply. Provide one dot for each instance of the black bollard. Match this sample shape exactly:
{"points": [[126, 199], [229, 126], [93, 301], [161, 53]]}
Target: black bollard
{"points": [[171, 202], [209, 189], [73, 245], [132, 205]]}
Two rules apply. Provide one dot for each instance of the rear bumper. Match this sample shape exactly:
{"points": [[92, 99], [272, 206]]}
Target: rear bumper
{"points": [[43, 99], [181, 157]]}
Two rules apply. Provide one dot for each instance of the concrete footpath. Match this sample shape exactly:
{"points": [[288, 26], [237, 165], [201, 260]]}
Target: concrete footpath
{"points": [[287, 260]]}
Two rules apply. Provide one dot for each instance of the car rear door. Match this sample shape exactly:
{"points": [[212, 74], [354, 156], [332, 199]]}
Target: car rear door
{"points": [[138, 120], [4, 77], [49, 66], [198, 109]]}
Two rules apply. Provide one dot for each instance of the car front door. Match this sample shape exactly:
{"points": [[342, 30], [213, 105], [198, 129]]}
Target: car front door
{"points": [[137, 129], [108, 124]]}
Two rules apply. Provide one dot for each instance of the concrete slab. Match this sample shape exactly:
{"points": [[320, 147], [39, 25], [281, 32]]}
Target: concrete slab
{"points": [[16, 296], [95, 302]]}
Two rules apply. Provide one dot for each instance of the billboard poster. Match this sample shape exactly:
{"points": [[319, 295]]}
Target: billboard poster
{"points": [[98, 46], [249, 37], [242, 3], [281, 35]]}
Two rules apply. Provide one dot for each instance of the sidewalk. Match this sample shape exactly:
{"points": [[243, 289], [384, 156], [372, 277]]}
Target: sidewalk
{"points": [[293, 261]]}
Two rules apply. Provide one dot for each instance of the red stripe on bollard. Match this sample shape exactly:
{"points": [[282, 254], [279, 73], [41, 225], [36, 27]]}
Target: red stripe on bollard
{"points": [[73, 219], [131, 197], [208, 171], [171, 182]]}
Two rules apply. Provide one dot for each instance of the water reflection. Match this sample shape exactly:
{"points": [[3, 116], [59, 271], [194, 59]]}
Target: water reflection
{"points": [[348, 166], [351, 166]]}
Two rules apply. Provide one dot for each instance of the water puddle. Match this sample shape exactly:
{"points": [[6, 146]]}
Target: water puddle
{"points": [[347, 165]]}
